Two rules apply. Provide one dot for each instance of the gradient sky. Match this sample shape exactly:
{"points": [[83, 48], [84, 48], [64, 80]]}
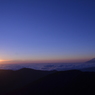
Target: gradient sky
{"points": [[47, 30]]}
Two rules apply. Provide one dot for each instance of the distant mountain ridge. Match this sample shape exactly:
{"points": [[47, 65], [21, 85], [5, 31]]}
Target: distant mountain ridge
{"points": [[91, 61]]}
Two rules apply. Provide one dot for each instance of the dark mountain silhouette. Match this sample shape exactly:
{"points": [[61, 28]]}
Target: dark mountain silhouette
{"points": [[91, 61], [72, 82], [10, 80]]}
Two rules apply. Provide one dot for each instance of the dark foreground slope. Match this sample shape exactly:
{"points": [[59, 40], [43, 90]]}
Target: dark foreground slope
{"points": [[71, 82], [10, 80]]}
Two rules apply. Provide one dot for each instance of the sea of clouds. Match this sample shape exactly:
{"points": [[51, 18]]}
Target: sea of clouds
{"points": [[48, 66]]}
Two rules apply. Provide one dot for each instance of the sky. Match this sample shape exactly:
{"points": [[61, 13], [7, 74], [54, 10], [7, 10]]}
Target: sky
{"points": [[43, 31]]}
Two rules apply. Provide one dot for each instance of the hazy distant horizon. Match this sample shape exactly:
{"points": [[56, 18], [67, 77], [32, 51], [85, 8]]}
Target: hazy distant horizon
{"points": [[43, 61]]}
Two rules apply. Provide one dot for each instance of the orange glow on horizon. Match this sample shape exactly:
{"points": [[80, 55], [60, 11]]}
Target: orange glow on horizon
{"points": [[1, 60], [45, 60], [70, 60]]}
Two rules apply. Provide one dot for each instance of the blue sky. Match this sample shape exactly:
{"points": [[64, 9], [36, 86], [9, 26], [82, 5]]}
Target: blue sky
{"points": [[56, 30]]}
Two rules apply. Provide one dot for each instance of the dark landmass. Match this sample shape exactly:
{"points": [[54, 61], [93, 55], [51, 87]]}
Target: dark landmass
{"points": [[10, 80], [91, 61], [71, 82], [36, 82]]}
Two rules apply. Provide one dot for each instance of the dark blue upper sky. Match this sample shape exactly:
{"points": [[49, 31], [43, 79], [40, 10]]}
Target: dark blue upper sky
{"points": [[47, 29]]}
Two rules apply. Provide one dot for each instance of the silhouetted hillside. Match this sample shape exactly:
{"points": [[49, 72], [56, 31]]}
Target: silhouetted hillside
{"points": [[91, 61], [72, 82], [10, 80]]}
